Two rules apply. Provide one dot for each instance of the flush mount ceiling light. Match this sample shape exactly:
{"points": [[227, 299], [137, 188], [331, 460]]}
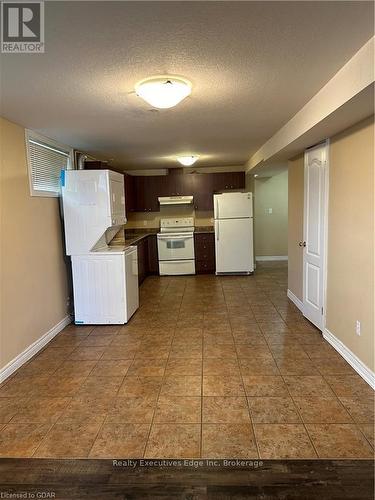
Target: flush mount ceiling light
{"points": [[163, 91], [186, 161]]}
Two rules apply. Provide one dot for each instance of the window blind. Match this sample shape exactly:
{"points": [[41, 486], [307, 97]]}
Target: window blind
{"points": [[45, 164]]}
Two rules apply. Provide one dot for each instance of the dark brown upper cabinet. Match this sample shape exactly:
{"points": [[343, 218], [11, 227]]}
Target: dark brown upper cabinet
{"points": [[203, 191], [130, 194], [142, 192], [228, 180], [147, 190], [179, 184], [154, 186]]}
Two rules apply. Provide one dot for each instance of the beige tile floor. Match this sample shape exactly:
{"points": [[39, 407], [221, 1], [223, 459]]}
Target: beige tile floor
{"points": [[208, 367]]}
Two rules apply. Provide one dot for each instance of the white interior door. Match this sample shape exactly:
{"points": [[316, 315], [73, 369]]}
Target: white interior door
{"points": [[316, 169]]}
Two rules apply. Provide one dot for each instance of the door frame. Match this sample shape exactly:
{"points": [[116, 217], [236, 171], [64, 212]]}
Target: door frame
{"points": [[326, 144]]}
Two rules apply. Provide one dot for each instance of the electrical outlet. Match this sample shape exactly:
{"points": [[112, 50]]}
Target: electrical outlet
{"points": [[145, 223], [358, 327]]}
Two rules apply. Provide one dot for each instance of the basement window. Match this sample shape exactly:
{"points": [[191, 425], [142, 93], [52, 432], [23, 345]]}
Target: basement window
{"points": [[45, 159]]}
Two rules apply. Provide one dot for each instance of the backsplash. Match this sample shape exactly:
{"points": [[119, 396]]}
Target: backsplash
{"points": [[143, 220]]}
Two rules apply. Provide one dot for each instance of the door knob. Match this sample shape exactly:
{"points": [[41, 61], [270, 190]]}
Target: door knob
{"points": [[302, 243]]}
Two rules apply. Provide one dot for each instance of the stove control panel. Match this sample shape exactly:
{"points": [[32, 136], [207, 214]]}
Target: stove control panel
{"points": [[171, 223]]}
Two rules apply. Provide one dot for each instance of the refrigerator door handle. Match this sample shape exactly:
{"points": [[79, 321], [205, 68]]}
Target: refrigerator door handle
{"points": [[217, 231], [217, 208]]}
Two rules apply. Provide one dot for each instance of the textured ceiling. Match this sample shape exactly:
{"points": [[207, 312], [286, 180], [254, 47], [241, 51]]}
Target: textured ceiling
{"points": [[253, 65]]}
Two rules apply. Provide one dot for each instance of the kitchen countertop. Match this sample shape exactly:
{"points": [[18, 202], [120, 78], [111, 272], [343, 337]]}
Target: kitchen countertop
{"points": [[133, 236], [204, 229]]}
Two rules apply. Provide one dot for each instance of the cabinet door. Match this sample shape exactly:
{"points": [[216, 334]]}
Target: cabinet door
{"points": [[237, 180], [203, 191], [175, 182], [204, 245], [148, 189], [130, 195], [179, 183], [139, 202], [229, 180], [153, 260], [150, 196], [142, 248], [205, 266], [186, 185], [220, 182], [204, 253], [154, 187]]}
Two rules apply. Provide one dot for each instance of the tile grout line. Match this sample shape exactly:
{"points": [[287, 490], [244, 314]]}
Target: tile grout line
{"points": [[106, 416], [290, 395], [246, 398], [232, 292], [162, 380]]}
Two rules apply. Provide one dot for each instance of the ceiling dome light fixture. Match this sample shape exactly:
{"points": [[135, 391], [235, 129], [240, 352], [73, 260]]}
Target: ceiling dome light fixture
{"points": [[163, 91], [186, 161]]}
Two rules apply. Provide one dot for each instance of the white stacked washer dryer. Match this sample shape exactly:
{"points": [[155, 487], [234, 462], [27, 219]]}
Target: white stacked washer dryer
{"points": [[105, 278], [176, 246]]}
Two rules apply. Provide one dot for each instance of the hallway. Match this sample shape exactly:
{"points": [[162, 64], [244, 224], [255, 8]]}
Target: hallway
{"points": [[208, 367]]}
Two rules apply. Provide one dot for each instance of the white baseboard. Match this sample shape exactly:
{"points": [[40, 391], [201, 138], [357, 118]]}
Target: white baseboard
{"points": [[30, 351], [362, 370], [265, 258], [296, 301]]}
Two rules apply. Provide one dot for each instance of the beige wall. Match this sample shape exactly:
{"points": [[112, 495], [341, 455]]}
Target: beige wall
{"points": [[350, 269], [33, 278], [271, 230], [295, 225], [350, 280]]}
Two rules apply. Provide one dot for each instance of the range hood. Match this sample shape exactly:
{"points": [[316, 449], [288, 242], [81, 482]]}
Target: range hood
{"points": [[175, 200]]}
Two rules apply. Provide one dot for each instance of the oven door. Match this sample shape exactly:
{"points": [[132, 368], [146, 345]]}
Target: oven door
{"points": [[177, 246]]}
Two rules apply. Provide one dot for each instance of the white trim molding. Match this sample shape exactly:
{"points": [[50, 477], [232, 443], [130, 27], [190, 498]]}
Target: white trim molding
{"points": [[265, 258], [33, 349], [296, 301], [362, 370]]}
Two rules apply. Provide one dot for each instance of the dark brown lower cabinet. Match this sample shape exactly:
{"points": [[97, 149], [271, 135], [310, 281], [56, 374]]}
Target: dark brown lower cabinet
{"points": [[148, 262], [153, 259], [142, 247], [204, 246]]}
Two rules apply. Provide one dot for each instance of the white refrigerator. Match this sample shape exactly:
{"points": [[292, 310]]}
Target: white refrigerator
{"points": [[233, 214]]}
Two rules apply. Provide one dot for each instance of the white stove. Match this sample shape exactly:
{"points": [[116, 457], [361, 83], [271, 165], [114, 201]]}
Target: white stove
{"points": [[176, 246]]}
